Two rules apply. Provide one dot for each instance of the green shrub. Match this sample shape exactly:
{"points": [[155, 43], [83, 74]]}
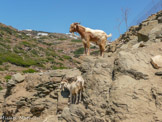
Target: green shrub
{"points": [[1, 61], [79, 51], [93, 47], [17, 60], [76, 40], [51, 59], [62, 39], [1, 69], [66, 57], [61, 59], [5, 45], [60, 50], [29, 71], [18, 49], [27, 44], [1, 88], [8, 77], [51, 53], [8, 40], [35, 52]]}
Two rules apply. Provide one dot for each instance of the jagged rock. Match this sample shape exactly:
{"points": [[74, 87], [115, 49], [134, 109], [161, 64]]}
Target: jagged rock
{"points": [[156, 32], [142, 37]]}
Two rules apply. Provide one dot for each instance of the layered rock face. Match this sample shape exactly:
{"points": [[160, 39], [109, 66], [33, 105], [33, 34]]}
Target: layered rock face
{"points": [[122, 86], [148, 31]]}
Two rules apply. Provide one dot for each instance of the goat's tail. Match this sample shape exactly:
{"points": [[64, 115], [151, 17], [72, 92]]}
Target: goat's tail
{"points": [[109, 35]]}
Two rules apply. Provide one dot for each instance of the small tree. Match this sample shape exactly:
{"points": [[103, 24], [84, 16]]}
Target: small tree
{"points": [[125, 13]]}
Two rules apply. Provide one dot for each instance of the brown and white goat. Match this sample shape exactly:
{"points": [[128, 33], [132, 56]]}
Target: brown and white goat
{"points": [[99, 37], [75, 88]]}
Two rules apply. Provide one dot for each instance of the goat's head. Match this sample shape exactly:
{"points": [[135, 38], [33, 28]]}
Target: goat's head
{"points": [[73, 27], [63, 84]]}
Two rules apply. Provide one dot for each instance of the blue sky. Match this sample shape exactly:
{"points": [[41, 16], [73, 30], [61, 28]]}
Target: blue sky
{"points": [[57, 15]]}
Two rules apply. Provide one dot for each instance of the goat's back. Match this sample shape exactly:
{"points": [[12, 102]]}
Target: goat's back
{"points": [[94, 31], [80, 80]]}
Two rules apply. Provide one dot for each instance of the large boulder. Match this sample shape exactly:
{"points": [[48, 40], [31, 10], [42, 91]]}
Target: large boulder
{"points": [[18, 77]]}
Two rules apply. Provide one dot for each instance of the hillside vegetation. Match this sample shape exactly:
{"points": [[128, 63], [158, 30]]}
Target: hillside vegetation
{"points": [[27, 49]]}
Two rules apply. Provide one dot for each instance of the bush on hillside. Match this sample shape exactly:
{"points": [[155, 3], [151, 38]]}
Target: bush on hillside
{"points": [[29, 71], [16, 59]]}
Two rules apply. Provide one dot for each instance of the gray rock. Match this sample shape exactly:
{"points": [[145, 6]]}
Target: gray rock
{"points": [[11, 83], [142, 37], [18, 77]]}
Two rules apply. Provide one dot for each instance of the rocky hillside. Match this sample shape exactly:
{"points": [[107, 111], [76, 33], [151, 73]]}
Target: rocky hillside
{"points": [[122, 86], [33, 49]]}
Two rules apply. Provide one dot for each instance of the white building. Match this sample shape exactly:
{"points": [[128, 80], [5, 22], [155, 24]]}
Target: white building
{"points": [[28, 30], [72, 35], [42, 34]]}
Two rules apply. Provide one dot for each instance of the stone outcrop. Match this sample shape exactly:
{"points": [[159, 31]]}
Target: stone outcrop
{"points": [[37, 95], [149, 30]]}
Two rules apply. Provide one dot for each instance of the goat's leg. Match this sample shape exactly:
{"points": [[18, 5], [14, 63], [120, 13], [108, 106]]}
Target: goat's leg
{"points": [[85, 49], [102, 49], [71, 98], [88, 46], [80, 96], [76, 100]]}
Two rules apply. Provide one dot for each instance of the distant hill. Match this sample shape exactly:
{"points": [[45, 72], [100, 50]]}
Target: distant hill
{"points": [[36, 50]]}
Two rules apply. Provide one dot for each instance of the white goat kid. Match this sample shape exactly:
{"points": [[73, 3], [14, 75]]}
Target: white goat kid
{"points": [[75, 88]]}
